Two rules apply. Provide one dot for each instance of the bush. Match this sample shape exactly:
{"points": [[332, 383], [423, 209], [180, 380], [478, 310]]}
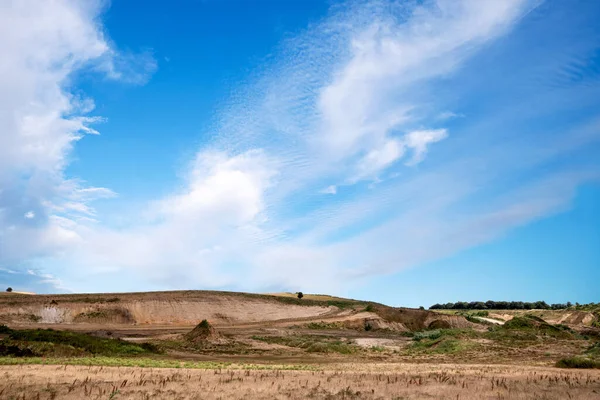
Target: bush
{"points": [[9, 289], [432, 335], [518, 323], [577, 362], [85, 343], [5, 329], [300, 295]]}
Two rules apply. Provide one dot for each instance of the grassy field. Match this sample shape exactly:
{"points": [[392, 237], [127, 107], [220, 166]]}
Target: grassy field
{"points": [[350, 381]]}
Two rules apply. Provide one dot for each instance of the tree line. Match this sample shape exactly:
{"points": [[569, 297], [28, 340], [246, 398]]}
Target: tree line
{"points": [[501, 305]]}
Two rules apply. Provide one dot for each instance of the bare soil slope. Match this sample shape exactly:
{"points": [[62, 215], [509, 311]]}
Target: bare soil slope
{"points": [[188, 308]]}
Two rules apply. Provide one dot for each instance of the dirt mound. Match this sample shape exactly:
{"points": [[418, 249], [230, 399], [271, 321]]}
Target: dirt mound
{"points": [[203, 332], [416, 319]]}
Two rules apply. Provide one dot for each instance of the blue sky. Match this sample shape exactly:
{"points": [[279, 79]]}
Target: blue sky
{"points": [[408, 152]]}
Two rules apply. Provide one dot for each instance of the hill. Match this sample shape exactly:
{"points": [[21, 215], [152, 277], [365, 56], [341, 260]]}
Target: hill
{"points": [[187, 308]]}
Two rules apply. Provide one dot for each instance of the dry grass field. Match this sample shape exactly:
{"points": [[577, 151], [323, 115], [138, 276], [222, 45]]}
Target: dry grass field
{"points": [[347, 381], [222, 345]]}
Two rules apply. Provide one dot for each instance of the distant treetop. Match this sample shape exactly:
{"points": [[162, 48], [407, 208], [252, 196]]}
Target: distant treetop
{"points": [[500, 305]]}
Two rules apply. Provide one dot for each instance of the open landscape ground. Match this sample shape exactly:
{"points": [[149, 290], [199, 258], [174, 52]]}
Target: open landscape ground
{"points": [[198, 344]]}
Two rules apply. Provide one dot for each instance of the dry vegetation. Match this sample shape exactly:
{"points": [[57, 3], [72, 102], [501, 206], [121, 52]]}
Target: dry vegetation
{"points": [[317, 347], [349, 381]]}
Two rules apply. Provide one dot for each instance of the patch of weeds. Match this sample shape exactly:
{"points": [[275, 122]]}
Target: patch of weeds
{"points": [[81, 342], [439, 345], [324, 325], [594, 350], [578, 362], [312, 344], [369, 308], [519, 323], [432, 335], [378, 348], [94, 300], [531, 325], [341, 304], [92, 315]]}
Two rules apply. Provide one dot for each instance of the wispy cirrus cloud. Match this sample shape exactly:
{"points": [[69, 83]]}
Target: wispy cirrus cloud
{"points": [[357, 107]]}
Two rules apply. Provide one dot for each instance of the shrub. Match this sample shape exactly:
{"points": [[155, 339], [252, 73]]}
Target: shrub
{"points": [[86, 343], [300, 295], [369, 308], [577, 362], [5, 329], [9, 289], [518, 323], [432, 335]]}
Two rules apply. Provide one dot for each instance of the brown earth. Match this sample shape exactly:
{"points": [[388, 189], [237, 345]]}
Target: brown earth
{"points": [[188, 308]]}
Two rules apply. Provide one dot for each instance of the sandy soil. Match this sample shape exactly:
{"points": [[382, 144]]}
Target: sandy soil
{"points": [[220, 309], [375, 381]]}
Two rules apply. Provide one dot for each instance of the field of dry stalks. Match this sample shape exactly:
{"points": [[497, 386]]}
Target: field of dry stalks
{"points": [[348, 381]]}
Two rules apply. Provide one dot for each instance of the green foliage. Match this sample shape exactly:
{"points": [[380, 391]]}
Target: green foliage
{"points": [[519, 323], [432, 335], [578, 362], [47, 340], [369, 308], [502, 305], [9, 289], [312, 344], [5, 329], [204, 324], [594, 350], [439, 345], [300, 295]]}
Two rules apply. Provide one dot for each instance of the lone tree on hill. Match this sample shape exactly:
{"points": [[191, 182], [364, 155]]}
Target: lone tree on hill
{"points": [[300, 295], [9, 289]]}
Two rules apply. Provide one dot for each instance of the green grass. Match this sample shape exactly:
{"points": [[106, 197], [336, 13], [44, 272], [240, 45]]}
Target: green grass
{"points": [[538, 327], [148, 363], [312, 344], [439, 346], [441, 341], [63, 343]]}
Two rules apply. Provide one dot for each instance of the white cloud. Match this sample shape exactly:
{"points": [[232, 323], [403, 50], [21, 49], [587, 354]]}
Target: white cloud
{"points": [[446, 115], [379, 159], [347, 101], [419, 140], [42, 45], [331, 189]]}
